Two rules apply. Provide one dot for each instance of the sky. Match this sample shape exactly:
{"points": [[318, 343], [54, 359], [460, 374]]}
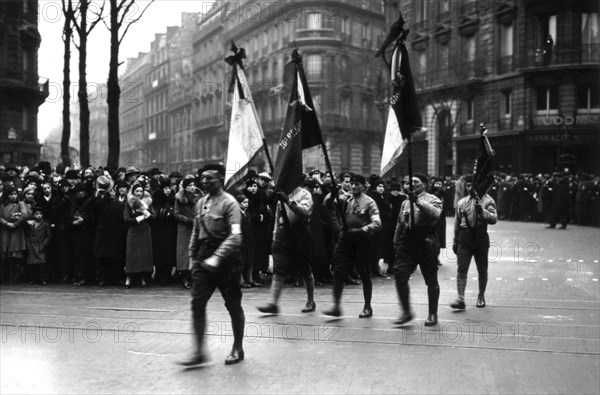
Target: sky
{"points": [[159, 15]]}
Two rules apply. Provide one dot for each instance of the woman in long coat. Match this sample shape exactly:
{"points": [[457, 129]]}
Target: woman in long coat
{"points": [[185, 200], [138, 255], [164, 232], [382, 241], [13, 215]]}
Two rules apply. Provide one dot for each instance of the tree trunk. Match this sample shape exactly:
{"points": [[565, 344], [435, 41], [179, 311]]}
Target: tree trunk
{"points": [[114, 91], [84, 109], [66, 113]]}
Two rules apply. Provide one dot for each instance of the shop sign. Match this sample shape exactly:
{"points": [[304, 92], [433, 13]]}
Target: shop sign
{"points": [[566, 120], [562, 138]]}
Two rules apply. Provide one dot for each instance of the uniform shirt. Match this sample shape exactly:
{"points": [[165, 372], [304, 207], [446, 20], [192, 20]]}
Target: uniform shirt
{"points": [[466, 211], [217, 217], [298, 210], [361, 212], [427, 214]]}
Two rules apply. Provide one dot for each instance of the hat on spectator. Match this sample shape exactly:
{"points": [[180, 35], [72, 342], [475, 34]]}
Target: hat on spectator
{"points": [[154, 171], [72, 174], [188, 181], [121, 184], [45, 167], [104, 183], [265, 175], [395, 186], [132, 170], [175, 174]]}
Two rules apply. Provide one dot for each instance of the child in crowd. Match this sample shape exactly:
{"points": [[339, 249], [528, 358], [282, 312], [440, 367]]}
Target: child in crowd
{"points": [[38, 238]]}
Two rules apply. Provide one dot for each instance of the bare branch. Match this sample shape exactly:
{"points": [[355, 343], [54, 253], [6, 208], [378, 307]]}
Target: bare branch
{"points": [[99, 17], [135, 20]]}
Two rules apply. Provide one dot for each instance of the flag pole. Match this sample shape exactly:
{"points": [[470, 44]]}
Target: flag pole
{"points": [[410, 182], [300, 72]]}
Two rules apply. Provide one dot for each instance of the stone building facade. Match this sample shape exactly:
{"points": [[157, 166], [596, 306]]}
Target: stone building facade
{"points": [[22, 91]]}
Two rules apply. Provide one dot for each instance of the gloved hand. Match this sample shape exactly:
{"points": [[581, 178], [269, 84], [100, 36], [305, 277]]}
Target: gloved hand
{"points": [[211, 263], [412, 196], [283, 197], [455, 249]]}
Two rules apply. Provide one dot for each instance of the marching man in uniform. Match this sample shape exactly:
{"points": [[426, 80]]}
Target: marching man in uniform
{"points": [[416, 244], [215, 259], [473, 214]]}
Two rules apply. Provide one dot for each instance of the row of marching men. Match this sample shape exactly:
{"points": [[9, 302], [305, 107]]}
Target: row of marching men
{"points": [[220, 230]]}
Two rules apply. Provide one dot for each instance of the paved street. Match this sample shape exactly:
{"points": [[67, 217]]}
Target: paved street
{"points": [[540, 333]]}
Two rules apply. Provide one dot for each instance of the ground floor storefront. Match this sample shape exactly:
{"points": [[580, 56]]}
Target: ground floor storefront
{"points": [[539, 151]]}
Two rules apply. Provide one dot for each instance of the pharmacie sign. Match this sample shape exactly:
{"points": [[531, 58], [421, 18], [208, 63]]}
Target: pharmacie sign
{"points": [[561, 138]]}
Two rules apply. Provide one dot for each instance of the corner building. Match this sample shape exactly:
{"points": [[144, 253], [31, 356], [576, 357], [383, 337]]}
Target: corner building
{"points": [[491, 62], [337, 41]]}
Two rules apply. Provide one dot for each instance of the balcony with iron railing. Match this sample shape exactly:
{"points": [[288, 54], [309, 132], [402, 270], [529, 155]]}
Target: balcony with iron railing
{"points": [[323, 34], [584, 54], [22, 79]]}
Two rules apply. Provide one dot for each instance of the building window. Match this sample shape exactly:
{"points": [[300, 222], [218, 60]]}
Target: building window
{"points": [[25, 119], [548, 28], [366, 31], [470, 48], [346, 29], [313, 67], [420, 10], [275, 36], [588, 98], [365, 110], [345, 107], [590, 40], [547, 99], [505, 58], [314, 20], [422, 66], [470, 109], [366, 156], [346, 152], [506, 103]]}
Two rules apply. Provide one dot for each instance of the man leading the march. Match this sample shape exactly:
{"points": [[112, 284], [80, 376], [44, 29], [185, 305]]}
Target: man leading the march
{"points": [[216, 261]]}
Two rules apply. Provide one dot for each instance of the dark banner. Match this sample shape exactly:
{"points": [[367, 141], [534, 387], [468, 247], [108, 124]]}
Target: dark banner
{"points": [[483, 172], [404, 99]]}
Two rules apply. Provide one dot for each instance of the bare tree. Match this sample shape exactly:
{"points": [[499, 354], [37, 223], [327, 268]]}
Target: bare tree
{"points": [[80, 22], [69, 13], [122, 16]]}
